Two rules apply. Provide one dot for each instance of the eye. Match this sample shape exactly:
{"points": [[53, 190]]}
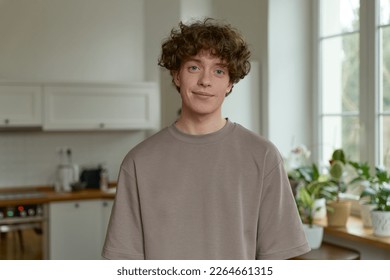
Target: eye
{"points": [[193, 68], [219, 72]]}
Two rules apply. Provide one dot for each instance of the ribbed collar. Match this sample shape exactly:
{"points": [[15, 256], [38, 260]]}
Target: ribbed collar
{"points": [[205, 138]]}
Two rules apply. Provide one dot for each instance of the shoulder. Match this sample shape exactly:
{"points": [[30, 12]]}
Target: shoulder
{"points": [[147, 147], [255, 142], [260, 150]]}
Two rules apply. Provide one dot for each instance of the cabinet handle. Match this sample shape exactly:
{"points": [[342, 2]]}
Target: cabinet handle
{"points": [[6, 121], [76, 205], [105, 204], [101, 125]]}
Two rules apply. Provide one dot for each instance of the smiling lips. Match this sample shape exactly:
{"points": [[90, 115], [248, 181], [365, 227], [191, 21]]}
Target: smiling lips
{"points": [[200, 93]]}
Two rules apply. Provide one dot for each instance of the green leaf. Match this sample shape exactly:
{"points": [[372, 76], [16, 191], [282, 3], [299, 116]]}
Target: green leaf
{"points": [[336, 170], [339, 155]]}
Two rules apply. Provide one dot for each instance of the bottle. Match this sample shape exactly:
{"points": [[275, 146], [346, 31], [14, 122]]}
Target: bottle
{"points": [[104, 179]]}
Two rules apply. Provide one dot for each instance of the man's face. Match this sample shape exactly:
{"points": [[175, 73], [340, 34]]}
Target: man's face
{"points": [[203, 81]]}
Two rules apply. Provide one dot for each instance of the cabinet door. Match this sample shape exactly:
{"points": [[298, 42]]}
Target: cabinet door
{"points": [[75, 230], [20, 106], [101, 107], [106, 213]]}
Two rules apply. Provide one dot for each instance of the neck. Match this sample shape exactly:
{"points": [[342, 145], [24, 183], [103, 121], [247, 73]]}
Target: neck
{"points": [[200, 125]]}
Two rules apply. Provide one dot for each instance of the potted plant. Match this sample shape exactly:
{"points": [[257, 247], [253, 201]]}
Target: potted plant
{"points": [[371, 185], [306, 208], [316, 184], [296, 165], [338, 210], [380, 216], [329, 187], [378, 194]]}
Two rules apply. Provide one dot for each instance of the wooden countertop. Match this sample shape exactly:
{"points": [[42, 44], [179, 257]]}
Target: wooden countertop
{"points": [[49, 195], [355, 231]]}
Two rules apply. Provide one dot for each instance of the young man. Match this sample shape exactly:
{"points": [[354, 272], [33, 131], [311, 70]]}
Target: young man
{"points": [[204, 187]]}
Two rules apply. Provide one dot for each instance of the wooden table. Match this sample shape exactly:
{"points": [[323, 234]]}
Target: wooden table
{"points": [[329, 251]]}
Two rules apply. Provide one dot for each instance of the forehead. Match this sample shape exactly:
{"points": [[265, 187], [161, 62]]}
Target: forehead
{"points": [[206, 56]]}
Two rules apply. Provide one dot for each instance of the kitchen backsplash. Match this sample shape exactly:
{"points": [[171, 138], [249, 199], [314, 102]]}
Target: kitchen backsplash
{"points": [[31, 158]]}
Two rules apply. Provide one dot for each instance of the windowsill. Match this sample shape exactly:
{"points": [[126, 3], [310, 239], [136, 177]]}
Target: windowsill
{"points": [[356, 232]]}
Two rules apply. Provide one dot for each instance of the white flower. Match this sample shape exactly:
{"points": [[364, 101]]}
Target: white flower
{"points": [[299, 156]]}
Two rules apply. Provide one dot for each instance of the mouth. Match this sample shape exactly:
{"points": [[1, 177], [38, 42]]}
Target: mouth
{"points": [[203, 94]]}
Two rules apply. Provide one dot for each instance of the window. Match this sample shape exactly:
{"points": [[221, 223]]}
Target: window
{"points": [[384, 85], [339, 80], [354, 79]]}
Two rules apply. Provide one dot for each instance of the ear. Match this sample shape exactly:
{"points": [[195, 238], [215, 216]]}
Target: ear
{"points": [[229, 88], [176, 78]]}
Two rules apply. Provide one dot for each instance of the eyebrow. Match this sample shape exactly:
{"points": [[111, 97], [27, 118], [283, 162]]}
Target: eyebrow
{"points": [[221, 64]]}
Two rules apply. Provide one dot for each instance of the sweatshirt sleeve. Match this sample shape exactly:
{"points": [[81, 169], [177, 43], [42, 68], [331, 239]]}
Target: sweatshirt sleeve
{"points": [[124, 239]]}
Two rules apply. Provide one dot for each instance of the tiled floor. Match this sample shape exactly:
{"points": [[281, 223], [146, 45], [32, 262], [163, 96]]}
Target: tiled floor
{"points": [[10, 247]]}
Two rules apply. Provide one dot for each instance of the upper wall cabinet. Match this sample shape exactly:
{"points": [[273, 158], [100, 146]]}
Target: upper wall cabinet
{"points": [[101, 107], [20, 106]]}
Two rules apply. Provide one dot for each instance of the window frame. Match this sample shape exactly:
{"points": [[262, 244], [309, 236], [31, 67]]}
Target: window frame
{"points": [[369, 82]]}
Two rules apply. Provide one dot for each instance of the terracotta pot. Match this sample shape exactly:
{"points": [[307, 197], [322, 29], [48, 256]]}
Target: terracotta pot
{"points": [[338, 213]]}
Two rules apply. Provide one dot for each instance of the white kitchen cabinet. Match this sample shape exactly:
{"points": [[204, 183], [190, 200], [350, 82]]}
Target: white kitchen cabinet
{"points": [[77, 229], [106, 213], [101, 107], [20, 106]]}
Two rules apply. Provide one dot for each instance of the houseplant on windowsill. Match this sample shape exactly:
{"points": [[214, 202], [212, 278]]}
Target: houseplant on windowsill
{"points": [[378, 193], [380, 216], [303, 173], [330, 186], [338, 210], [371, 185], [306, 208], [297, 165], [317, 185]]}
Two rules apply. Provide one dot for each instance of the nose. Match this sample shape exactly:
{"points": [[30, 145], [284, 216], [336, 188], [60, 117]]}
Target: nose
{"points": [[204, 79]]}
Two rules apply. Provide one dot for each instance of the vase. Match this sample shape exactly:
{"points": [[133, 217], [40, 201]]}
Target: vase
{"points": [[338, 213], [381, 223], [314, 235], [365, 213]]}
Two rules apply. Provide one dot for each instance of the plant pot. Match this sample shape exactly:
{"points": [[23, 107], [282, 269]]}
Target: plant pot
{"points": [[365, 213], [338, 213], [314, 235], [381, 223], [321, 212]]}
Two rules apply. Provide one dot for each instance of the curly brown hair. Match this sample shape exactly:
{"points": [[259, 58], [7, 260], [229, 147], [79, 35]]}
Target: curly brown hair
{"points": [[220, 39]]}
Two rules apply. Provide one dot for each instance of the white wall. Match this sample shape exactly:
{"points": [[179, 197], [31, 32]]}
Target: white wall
{"points": [[31, 158], [93, 40], [160, 17], [242, 105], [289, 98], [190, 9]]}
